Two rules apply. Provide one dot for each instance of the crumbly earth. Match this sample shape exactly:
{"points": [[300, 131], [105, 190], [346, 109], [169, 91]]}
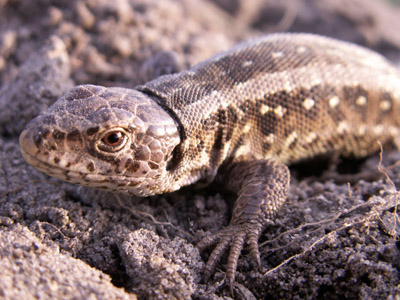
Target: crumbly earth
{"points": [[331, 240]]}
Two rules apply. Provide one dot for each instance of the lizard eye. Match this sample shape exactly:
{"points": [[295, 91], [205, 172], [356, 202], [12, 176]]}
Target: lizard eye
{"points": [[113, 138], [113, 141]]}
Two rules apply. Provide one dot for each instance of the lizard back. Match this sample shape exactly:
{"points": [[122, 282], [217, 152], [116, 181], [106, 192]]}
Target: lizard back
{"points": [[285, 96]]}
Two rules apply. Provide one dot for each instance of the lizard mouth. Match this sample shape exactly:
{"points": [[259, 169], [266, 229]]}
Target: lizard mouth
{"points": [[40, 159], [56, 171], [110, 182]]}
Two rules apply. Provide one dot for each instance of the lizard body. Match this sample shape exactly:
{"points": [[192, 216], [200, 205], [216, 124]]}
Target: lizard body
{"points": [[242, 116]]}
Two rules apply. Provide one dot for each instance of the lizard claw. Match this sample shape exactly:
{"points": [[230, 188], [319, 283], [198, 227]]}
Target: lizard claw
{"points": [[262, 187], [234, 237]]}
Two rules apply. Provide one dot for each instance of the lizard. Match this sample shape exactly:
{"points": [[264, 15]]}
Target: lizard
{"points": [[241, 118]]}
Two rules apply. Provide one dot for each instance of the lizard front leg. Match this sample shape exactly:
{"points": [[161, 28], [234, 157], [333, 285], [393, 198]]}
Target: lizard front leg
{"points": [[262, 187]]}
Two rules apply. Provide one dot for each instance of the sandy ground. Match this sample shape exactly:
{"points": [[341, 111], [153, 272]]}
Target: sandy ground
{"points": [[332, 240]]}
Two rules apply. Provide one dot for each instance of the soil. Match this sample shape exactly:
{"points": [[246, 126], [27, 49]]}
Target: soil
{"points": [[335, 238]]}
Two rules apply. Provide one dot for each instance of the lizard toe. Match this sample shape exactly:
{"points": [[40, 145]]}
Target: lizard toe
{"points": [[254, 250], [223, 243], [208, 241], [233, 238], [234, 253]]}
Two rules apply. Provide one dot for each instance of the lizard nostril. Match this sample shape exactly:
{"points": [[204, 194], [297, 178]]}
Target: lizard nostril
{"points": [[39, 136]]}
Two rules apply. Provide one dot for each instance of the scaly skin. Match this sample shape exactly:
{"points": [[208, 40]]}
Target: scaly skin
{"points": [[244, 114]]}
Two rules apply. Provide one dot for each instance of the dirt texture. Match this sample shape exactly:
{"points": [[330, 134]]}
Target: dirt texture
{"points": [[336, 237]]}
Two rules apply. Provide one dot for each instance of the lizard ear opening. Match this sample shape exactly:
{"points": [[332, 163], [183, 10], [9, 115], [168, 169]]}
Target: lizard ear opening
{"points": [[176, 158]]}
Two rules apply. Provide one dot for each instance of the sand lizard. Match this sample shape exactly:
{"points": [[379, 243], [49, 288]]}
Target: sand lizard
{"points": [[239, 117]]}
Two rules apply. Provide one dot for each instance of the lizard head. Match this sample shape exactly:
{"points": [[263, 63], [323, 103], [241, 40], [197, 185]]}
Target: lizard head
{"points": [[107, 138]]}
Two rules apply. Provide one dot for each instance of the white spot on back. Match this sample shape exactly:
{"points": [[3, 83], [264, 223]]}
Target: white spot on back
{"points": [[361, 100], [290, 139], [301, 49], [242, 151], [264, 109], [277, 54], [279, 111], [308, 103], [362, 130], [270, 138], [287, 86], [378, 129], [385, 105], [342, 127], [310, 137], [247, 63], [246, 128], [334, 101]]}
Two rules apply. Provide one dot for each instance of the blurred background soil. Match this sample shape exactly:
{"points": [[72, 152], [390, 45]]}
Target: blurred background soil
{"points": [[332, 240]]}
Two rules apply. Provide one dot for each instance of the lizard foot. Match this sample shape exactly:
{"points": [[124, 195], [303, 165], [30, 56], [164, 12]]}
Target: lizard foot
{"points": [[234, 237]]}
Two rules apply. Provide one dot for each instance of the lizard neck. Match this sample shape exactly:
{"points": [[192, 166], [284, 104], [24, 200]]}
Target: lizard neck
{"points": [[204, 135]]}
